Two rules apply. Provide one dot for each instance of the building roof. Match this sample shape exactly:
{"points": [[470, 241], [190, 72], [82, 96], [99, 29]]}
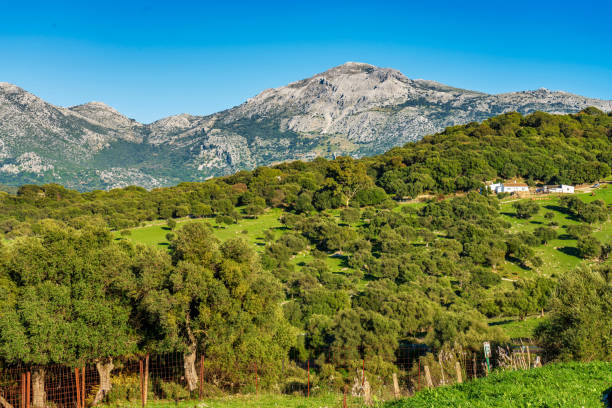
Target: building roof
{"points": [[515, 185]]}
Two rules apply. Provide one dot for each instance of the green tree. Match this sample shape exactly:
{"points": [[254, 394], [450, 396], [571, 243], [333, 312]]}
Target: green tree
{"points": [[526, 209], [61, 302], [579, 327], [588, 247]]}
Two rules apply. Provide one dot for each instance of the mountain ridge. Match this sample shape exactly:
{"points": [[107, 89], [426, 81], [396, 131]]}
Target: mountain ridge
{"points": [[352, 109]]}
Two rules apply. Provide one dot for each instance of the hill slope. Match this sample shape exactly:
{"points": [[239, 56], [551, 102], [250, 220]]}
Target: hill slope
{"points": [[353, 109], [555, 385]]}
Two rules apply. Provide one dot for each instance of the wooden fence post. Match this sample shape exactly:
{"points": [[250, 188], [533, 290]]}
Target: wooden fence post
{"points": [[396, 390], [146, 381], [201, 374], [428, 381], [458, 370]]}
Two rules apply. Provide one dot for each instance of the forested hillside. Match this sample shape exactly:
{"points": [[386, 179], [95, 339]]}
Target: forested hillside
{"points": [[322, 259]]}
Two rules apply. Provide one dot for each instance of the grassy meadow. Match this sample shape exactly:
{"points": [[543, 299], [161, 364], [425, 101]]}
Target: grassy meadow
{"points": [[253, 401], [554, 385]]}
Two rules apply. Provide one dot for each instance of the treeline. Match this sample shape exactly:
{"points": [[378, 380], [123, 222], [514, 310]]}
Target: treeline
{"points": [[539, 148]]}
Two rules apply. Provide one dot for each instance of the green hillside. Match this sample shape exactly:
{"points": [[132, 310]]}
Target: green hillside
{"points": [[555, 385], [334, 261]]}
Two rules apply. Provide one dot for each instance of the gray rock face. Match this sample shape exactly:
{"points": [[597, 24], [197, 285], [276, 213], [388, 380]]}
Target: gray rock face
{"points": [[353, 109]]}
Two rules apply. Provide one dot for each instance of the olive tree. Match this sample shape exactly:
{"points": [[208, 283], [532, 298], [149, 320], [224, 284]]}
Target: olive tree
{"points": [[60, 303]]}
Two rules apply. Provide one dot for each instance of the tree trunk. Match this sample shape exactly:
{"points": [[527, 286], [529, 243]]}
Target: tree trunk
{"points": [[38, 388], [104, 370], [191, 375]]}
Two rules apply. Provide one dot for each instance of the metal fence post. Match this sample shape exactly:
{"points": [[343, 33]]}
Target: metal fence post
{"points": [[363, 373], [83, 388], [142, 401], [77, 383], [256, 381]]}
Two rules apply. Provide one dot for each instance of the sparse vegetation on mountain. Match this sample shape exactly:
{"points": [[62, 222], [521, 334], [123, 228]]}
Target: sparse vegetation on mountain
{"points": [[354, 109]]}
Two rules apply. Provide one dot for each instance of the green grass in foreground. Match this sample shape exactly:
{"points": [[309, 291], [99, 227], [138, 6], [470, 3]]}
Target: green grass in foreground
{"points": [[554, 385], [259, 401]]}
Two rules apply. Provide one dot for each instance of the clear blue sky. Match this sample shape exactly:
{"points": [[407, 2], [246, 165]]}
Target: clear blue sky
{"points": [[154, 59]]}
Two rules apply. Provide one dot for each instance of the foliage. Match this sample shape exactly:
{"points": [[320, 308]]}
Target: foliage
{"points": [[561, 385], [580, 327]]}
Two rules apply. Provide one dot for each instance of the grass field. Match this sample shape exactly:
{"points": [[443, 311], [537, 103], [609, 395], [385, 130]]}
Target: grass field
{"points": [[250, 229], [259, 401], [559, 255], [516, 328], [554, 385]]}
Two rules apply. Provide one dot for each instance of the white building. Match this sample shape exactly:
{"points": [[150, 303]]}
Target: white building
{"points": [[509, 187], [562, 188]]}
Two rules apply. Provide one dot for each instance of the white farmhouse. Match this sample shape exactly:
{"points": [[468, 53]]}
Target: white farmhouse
{"points": [[562, 188], [513, 187]]}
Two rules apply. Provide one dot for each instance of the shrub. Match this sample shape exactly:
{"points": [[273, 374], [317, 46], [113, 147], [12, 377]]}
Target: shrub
{"points": [[589, 247]]}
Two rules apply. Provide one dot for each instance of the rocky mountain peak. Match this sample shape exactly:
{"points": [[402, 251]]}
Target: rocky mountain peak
{"points": [[106, 116], [352, 109]]}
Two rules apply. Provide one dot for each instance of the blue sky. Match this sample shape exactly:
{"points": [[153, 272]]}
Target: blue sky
{"points": [[154, 59]]}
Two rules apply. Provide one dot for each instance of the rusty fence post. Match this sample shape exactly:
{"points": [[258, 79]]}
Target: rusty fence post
{"points": [[83, 395], [363, 373], [22, 390], [77, 384], [142, 402], [344, 404], [28, 388]]}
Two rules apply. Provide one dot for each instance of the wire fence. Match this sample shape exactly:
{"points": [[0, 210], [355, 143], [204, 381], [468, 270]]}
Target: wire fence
{"points": [[142, 379]]}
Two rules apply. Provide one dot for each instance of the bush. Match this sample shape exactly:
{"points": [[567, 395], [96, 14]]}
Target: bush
{"points": [[370, 196], [579, 326], [526, 209], [350, 215], [589, 247], [173, 391]]}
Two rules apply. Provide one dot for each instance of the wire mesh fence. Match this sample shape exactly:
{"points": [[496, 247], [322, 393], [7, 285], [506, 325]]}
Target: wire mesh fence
{"points": [[173, 377]]}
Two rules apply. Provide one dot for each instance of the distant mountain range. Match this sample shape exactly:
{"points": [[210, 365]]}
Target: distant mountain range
{"points": [[353, 109]]}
